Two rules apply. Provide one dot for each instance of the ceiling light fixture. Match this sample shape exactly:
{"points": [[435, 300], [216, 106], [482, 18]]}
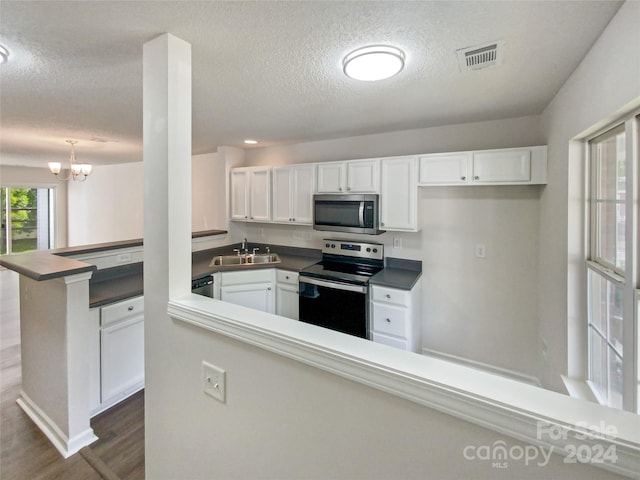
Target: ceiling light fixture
{"points": [[373, 63], [77, 171], [248, 141], [4, 54]]}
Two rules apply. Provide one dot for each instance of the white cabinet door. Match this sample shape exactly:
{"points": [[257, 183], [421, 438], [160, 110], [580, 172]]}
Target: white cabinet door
{"points": [[260, 194], [362, 176], [239, 194], [293, 189], [332, 177], [287, 301], [259, 296], [122, 358], [251, 194], [282, 184], [444, 169], [512, 165], [302, 194], [399, 194]]}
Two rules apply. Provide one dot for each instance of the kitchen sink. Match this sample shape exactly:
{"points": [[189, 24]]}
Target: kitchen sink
{"points": [[231, 260]]}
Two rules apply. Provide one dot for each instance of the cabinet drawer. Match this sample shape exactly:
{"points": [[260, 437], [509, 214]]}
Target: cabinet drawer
{"points": [[285, 276], [246, 276], [390, 341], [121, 310], [391, 320], [391, 295]]}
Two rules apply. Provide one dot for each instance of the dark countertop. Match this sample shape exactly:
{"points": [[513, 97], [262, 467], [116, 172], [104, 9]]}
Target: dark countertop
{"points": [[119, 283], [398, 273], [47, 264]]}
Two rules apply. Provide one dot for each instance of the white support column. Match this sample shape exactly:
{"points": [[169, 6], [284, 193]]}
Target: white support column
{"points": [[167, 212]]}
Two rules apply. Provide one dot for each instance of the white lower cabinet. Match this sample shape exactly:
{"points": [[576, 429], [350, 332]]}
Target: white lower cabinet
{"points": [[287, 294], [395, 317], [117, 352], [249, 288]]}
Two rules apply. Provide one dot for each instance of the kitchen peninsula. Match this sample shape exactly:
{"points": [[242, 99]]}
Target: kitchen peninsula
{"points": [[56, 296]]}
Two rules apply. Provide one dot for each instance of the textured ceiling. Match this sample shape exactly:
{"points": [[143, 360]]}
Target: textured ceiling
{"points": [[272, 70]]}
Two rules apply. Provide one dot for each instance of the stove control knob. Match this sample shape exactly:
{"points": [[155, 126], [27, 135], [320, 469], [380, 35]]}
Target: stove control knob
{"points": [[368, 249], [333, 245], [327, 245], [375, 250]]}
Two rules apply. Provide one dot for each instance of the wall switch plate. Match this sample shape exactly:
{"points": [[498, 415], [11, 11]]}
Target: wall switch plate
{"points": [[397, 242], [214, 381], [481, 250]]}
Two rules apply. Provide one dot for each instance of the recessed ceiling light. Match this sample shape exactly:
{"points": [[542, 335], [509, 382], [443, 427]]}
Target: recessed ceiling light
{"points": [[373, 63], [4, 54], [250, 142]]}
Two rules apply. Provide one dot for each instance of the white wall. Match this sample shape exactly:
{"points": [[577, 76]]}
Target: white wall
{"points": [[11, 176], [108, 206], [478, 310], [604, 85], [206, 211]]}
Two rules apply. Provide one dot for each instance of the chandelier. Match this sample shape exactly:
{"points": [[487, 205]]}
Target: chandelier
{"points": [[78, 171]]}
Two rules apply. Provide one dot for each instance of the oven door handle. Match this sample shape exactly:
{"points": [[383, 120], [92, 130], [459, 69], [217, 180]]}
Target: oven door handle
{"points": [[334, 285]]}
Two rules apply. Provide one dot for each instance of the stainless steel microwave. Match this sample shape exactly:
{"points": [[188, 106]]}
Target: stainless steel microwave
{"points": [[346, 213]]}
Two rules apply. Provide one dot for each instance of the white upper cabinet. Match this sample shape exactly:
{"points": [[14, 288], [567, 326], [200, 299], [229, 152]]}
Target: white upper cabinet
{"points": [[444, 168], [502, 166], [508, 166], [399, 194], [251, 194], [357, 176], [293, 194]]}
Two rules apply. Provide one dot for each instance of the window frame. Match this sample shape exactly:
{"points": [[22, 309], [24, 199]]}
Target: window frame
{"points": [[626, 278]]}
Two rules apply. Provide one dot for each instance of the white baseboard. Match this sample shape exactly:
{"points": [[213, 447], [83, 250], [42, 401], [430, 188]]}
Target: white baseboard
{"points": [[485, 367], [65, 445]]}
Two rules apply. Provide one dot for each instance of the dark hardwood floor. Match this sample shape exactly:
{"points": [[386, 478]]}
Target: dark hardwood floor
{"points": [[26, 454]]}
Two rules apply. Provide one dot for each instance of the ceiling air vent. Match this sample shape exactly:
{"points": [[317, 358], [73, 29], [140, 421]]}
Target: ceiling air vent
{"points": [[479, 57]]}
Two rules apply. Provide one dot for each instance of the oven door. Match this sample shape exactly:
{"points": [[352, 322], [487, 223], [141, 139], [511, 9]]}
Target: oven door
{"points": [[338, 306]]}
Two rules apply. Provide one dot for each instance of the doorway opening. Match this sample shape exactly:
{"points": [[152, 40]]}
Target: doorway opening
{"points": [[26, 219]]}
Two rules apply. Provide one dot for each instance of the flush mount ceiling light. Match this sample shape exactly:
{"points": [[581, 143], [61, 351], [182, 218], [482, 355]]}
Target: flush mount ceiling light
{"points": [[4, 54], [373, 63], [248, 141], [77, 171]]}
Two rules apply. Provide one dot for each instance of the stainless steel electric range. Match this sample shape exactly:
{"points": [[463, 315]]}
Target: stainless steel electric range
{"points": [[334, 293]]}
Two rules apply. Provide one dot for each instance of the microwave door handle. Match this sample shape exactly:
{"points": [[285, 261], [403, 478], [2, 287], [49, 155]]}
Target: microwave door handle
{"points": [[361, 214]]}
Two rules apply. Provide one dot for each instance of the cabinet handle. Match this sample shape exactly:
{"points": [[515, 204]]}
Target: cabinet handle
{"points": [[388, 320], [245, 216], [476, 177], [293, 219], [348, 189], [269, 288], [382, 224], [388, 296], [287, 277], [130, 308], [463, 178]]}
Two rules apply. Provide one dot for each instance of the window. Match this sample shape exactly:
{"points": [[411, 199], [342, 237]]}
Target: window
{"points": [[612, 252], [26, 219]]}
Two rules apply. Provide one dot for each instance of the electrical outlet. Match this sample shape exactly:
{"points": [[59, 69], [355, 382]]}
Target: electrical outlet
{"points": [[123, 257], [397, 243], [481, 250], [214, 381]]}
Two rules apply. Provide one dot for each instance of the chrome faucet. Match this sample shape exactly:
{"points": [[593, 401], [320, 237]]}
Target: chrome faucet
{"points": [[244, 246]]}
